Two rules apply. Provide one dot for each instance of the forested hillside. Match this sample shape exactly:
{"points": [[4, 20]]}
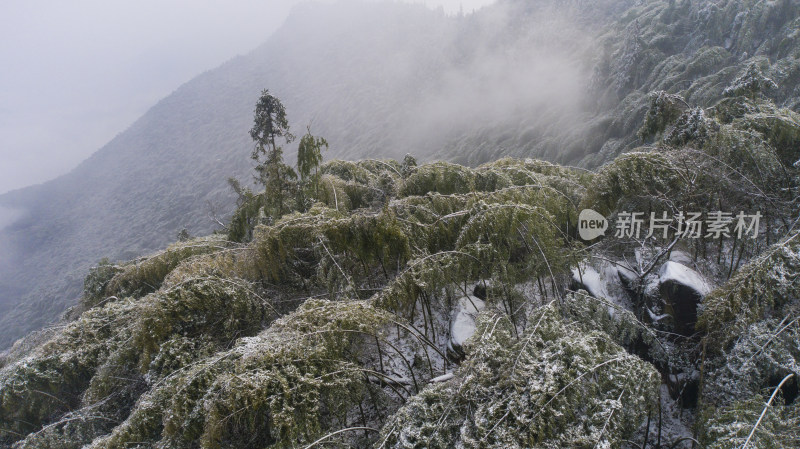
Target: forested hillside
{"points": [[564, 81], [168, 170], [431, 305], [383, 303]]}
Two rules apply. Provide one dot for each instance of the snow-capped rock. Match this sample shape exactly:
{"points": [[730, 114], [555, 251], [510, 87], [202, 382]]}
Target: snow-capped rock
{"points": [[602, 281], [590, 280], [682, 289], [681, 257], [681, 274], [462, 325]]}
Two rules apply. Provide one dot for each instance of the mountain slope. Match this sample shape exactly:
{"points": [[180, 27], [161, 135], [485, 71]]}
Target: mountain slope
{"points": [[565, 81], [440, 305], [157, 177]]}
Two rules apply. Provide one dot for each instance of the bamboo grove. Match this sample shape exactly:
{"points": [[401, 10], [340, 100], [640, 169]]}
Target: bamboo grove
{"points": [[328, 326]]}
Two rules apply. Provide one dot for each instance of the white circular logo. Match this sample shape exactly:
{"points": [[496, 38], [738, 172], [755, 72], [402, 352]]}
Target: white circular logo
{"points": [[591, 224]]}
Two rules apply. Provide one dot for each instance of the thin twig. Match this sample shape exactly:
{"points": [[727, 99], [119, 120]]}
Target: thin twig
{"points": [[764, 412], [338, 432]]}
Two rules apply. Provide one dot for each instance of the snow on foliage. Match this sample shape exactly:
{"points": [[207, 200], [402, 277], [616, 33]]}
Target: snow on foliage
{"points": [[554, 386], [750, 84], [768, 286], [161, 352], [333, 322]]}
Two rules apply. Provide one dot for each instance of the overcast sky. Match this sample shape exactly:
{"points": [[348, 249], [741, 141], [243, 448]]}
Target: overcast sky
{"points": [[75, 73]]}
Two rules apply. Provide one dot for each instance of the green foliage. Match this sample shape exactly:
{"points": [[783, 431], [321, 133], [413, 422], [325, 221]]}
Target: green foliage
{"points": [[524, 240], [144, 276], [184, 235], [736, 155], [283, 387], [750, 84], [762, 355], [747, 371], [620, 324], [664, 109], [347, 250], [309, 157], [94, 369], [96, 282], [632, 176], [48, 383], [249, 212], [331, 242], [161, 366], [279, 182], [730, 426], [269, 122], [439, 177], [429, 275], [409, 165], [164, 353], [691, 127], [691, 49], [739, 147], [728, 109], [309, 154], [780, 128], [222, 309], [217, 344], [353, 185], [554, 386], [766, 286]]}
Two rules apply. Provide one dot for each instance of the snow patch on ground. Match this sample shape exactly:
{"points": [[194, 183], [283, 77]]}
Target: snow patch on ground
{"points": [[603, 281], [672, 425], [591, 280], [443, 378]]}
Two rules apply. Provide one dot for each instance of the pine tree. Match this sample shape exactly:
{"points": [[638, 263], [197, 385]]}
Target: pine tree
{"points": [[278, 178]]}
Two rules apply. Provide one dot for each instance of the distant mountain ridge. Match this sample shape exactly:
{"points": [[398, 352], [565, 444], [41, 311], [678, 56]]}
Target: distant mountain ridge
{"points": [[159, 175], [532, 79]]}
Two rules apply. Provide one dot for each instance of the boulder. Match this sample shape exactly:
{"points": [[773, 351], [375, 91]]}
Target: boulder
{"points": [[604, 280], [462, 325], [682, 289], [589, 279]]}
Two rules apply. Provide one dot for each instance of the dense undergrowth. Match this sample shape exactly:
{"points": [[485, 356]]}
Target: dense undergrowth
{"points": [[331, 326], [137, 193]]}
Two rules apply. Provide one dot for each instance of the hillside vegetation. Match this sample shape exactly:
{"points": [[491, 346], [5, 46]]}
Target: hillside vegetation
{"points": [[563, 81], [437, 305]]}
